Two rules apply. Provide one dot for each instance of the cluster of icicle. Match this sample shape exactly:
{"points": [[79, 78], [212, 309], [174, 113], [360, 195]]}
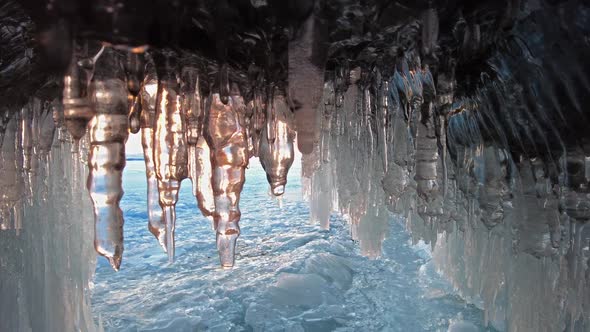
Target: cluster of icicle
{"points": [[404, 143], [185, 133], [377, 134], [46, 230]]}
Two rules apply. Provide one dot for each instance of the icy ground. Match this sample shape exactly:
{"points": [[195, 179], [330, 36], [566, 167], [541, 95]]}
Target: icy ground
{"points": [[289, 275]]}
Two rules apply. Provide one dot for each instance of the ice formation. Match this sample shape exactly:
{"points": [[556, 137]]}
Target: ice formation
{"points": [[108, 131], [229, 158], [46, 234], [276, 151], [170, 148], [467, 119], [148, 92]]}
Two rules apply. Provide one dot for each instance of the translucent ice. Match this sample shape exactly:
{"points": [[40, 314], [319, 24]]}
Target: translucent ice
{"points": [[229, 158], [276, 155], [47, 258], [192, 103], [199, 153], [106, 159], [148, 94], [471, 127], [76, 99], [170, 147]]}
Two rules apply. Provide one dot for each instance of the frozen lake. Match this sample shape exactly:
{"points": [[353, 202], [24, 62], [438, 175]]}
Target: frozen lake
{"points": [[289, 274]]}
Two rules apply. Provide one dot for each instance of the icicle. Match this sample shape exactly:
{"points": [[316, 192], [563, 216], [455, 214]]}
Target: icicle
{"points": [[341, 82], [223, 83], [192, 103], [134, 69], [326, 123], [396, 178], [46, 135], [248, 123], [170, 148], [426, 155], [57, 109], [229, 159], [135, 115], [30, 138], [106, 159], [321, 183], [21, 181], [366, 118], [276, 156], [156, 224], [442, 148], [384, 123], [270, 129], [26, 132], [306, 82], [405, 90], [199, 154], [258, 122], [168, 191], [26, 139], [148, 94], [47, 129], [10, 184], [427, 144], [204, 189], [444, 99], [77, 108]]}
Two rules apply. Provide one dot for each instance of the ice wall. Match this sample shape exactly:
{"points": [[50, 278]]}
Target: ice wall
{"points": [[507, 227], [46, 231], [511, 238], [495, 180]]}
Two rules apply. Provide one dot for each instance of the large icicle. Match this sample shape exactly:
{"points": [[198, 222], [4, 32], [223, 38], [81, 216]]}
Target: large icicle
{"points": [[276, 156], [170, 148], [199, 154], [229, 158], [148, 94], [106, 159]]}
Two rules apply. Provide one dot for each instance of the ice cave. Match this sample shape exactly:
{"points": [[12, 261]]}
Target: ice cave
{"points": [[294, 165]]}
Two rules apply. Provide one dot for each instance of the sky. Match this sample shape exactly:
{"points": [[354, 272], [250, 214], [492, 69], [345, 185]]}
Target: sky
{"points": [[133, 145]]}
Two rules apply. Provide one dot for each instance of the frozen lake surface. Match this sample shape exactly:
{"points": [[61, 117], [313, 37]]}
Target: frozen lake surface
{"points": [[289, 274]]}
